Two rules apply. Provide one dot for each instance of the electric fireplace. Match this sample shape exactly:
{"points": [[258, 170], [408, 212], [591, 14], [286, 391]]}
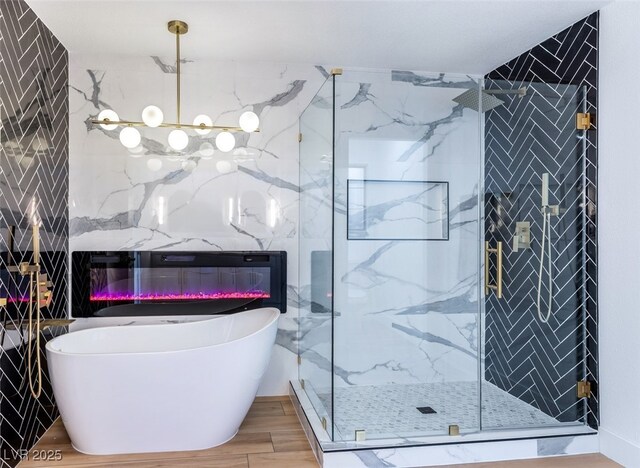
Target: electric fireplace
{"points": [[138, 283]]}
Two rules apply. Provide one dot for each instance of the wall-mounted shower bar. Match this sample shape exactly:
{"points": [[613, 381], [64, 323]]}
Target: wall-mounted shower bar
{"points": [[498, 286]]}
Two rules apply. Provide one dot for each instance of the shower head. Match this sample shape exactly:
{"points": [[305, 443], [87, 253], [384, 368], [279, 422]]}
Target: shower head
{"points": [[471, 99]]}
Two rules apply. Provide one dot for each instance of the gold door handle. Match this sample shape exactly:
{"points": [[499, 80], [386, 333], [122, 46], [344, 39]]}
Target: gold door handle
{"points": [[498, 286]]}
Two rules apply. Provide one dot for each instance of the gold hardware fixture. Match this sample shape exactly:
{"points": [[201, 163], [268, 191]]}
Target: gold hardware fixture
{"points": [[302, 383], [584, 389], [43, 288], [177, 27], [299, 137], [248, 119], [47, 323], [23, 268], [583, 121], [336, 71], [361, 435], [498, 286], [3, 302], [454, 430], [40, 295], [324, 423], [299, 359], [44, 324]]}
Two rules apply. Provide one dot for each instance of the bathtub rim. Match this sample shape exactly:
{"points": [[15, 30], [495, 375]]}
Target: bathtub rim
{"points": [[275, 317]]}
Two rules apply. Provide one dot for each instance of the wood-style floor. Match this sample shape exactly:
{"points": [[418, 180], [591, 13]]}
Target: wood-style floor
{"points": [[270, 437]]}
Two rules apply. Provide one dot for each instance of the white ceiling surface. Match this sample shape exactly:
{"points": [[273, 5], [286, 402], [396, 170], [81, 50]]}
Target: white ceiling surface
{"points": [[454, 36]]}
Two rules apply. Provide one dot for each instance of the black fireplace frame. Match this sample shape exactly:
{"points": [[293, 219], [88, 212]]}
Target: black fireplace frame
{"points": [[83, 261]]}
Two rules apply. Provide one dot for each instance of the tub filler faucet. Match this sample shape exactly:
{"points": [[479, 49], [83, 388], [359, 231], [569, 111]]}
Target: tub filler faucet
{"points": [[40, 296]]}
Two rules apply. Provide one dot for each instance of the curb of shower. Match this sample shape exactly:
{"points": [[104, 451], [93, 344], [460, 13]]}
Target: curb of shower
{"points": [[308, 427]]}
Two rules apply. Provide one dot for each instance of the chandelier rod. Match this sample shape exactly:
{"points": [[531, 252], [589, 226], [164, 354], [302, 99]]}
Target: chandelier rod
{"points": [[178, 73]]}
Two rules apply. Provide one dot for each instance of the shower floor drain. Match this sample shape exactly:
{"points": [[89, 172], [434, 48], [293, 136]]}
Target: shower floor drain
{"points": [[426, 410]]}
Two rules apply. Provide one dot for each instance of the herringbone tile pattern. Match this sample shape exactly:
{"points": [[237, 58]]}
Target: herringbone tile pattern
{"points": [[33, 169], [541, 363]]}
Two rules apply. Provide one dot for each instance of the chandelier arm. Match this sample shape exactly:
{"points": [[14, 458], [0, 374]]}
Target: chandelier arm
{"points": [[132, 123]]}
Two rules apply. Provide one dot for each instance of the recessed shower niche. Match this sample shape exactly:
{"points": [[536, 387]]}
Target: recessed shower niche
{"points": [[154, 283]]}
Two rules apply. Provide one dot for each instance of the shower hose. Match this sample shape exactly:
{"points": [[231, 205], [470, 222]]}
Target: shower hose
{"points": [[546, 236], [36, 390]]}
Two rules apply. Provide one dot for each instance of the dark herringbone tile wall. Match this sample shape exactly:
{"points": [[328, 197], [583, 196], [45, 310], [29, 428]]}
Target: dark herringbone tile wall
{"points": [[537, 362], [33, 166]]}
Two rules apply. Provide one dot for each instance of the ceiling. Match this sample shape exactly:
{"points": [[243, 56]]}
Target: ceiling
{"points": [[455, 36]]}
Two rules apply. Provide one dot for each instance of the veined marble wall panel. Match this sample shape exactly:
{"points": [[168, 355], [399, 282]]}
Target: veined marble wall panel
{"points": [[392, 315], [243, 200], [407, 310]]}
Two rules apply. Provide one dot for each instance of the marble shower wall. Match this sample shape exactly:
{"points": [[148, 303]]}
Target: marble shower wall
{"points": [[406, 310], [244, 200]]}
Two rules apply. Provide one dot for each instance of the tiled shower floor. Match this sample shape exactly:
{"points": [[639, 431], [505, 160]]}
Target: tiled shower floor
{"points": [[390, 410]]}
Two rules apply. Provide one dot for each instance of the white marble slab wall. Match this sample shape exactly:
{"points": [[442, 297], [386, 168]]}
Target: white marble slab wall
{"points": [[408, 309], [118, 202], [405, 311]]}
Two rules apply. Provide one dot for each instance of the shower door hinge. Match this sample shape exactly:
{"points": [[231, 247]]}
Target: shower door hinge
{"points": [[302, 384], [584, 389], [299, 137], [299, 359], [324, 423], [336, 71], [583, 121]]}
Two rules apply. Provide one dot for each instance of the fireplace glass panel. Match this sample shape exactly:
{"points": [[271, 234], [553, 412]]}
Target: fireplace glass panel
{"points": [[166, 284], [131, 283]]}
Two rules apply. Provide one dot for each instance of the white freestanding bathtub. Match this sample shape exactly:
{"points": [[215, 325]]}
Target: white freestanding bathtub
{"points": [[156, 388]]}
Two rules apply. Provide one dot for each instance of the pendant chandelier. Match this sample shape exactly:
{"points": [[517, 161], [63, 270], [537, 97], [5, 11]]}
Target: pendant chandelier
{"points": [[152, 116]]}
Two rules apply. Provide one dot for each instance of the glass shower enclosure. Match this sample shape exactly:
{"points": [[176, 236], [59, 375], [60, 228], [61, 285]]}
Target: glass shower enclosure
{"points": [[393, 327]]}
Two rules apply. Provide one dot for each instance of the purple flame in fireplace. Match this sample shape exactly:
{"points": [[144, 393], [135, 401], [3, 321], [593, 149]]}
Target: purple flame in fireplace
{"points": [[116, 296]]}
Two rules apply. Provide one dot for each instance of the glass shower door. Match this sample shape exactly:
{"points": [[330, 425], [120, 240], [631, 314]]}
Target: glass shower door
{"points": [[315, 334], [405, 244]]}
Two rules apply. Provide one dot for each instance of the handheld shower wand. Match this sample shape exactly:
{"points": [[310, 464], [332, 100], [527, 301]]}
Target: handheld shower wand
{"points": [[547, 212], [43, 297], [36, 390]]}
